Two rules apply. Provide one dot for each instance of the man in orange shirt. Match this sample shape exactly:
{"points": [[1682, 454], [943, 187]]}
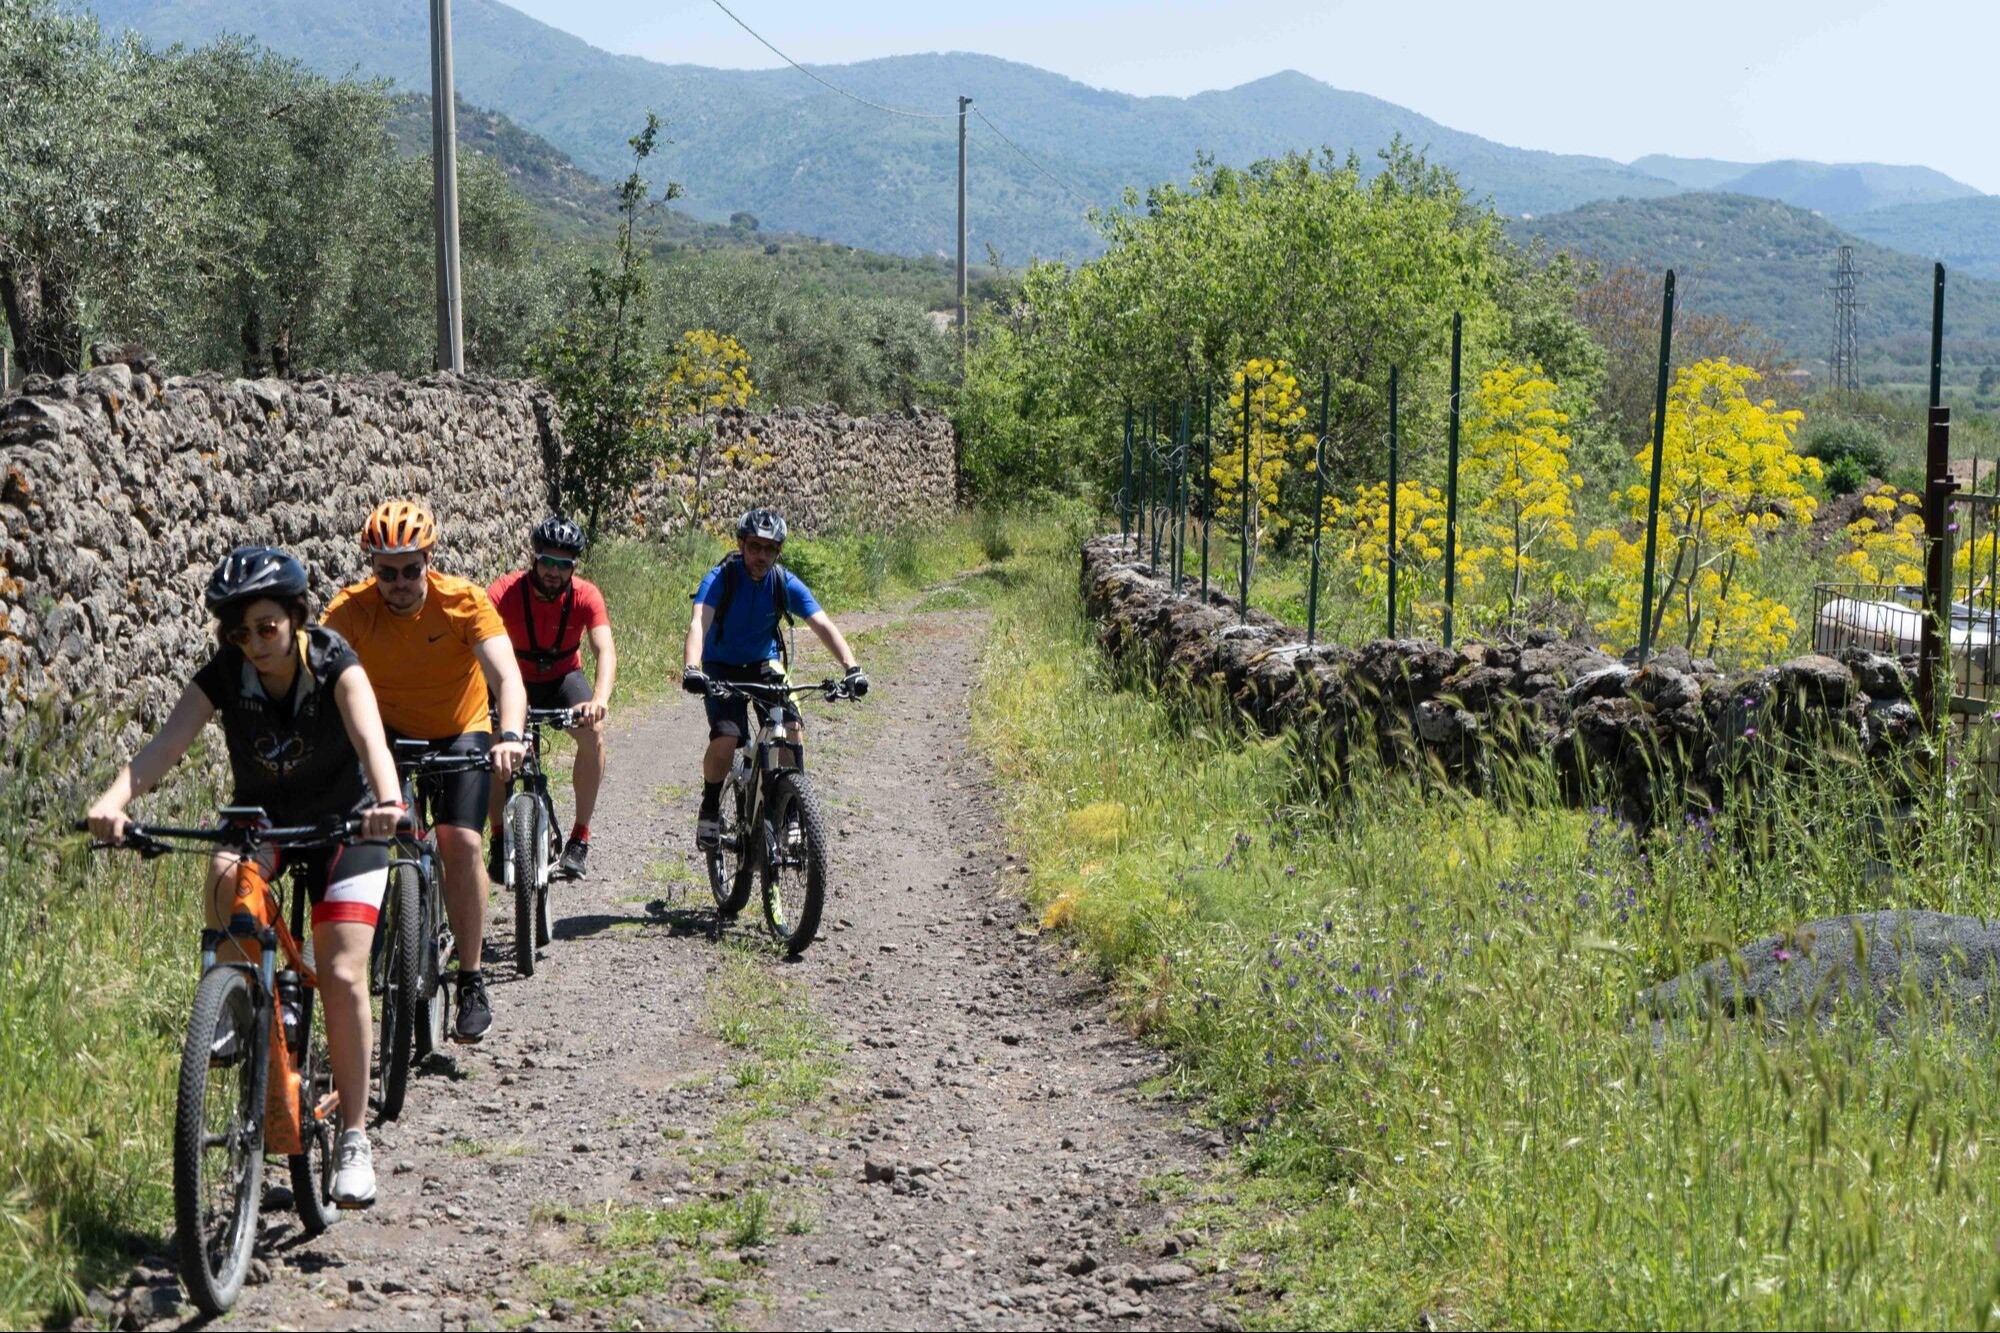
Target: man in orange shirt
{"points": [[433, 646]]}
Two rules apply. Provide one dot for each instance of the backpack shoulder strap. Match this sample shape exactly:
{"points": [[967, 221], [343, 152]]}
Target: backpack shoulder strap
{"points": [[732, 574]]}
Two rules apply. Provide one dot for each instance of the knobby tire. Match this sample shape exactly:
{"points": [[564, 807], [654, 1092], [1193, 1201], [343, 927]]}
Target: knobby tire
{"points": [[215, 1252], [792, 797]]}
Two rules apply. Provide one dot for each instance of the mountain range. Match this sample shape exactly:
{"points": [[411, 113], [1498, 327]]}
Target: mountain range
{"points": [[776, 144]]}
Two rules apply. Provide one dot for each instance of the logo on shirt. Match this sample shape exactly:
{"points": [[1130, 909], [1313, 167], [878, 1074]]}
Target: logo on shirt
{"points": [[279, 754], [439, 635]]}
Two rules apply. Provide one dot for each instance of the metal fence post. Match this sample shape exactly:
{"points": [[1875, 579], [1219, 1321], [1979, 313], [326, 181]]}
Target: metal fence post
{"points": [[1125, 486], [1938, 488], [1394, 555], [1319, 507], [1451, 489], [1180, 496], [1243, 581], [1646, 625], [1207, 480]]}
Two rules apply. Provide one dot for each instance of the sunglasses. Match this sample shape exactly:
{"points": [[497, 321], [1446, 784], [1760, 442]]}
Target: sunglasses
{"points": [[556, 561], [267, 630], [390, 573], [762, 548]]}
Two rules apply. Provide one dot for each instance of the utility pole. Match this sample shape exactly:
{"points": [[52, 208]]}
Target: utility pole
{"points": [[444, 193], [963, 102]]}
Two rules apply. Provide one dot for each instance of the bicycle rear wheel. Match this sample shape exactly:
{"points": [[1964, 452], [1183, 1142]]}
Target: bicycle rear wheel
{"points": [[312, 1170], [399, 979], [524, 836], [795, 865], [433, 994], [551, 852], [219, 1137], [729, 872]]}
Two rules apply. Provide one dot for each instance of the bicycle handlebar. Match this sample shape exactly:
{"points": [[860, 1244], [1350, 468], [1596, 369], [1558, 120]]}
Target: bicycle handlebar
{"points": [[151, 840], [750, 689], [416, 761], [560, 718]]}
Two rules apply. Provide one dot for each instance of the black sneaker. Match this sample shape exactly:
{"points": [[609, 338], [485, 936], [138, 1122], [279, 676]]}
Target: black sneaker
{"points": [[576, 853], [496, 859], [475, 1011]]}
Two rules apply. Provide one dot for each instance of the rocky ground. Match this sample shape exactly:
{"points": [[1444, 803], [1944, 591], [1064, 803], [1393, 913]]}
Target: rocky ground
{"points": [[926, 1122]]}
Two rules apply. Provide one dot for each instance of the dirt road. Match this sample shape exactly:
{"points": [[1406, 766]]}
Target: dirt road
{"points": [[925, 1122]]}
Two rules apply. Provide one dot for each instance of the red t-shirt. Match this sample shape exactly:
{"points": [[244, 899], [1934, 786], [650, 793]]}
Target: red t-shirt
{"points": [[516, 599]]}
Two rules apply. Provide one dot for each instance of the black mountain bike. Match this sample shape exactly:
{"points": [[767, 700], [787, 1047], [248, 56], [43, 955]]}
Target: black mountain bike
{"points": [[534, 840], [240, 1008], [773, 835], [413, 939]]}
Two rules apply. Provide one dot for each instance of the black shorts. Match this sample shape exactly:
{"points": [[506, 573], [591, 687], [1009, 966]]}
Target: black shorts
{"points": [[731, 717], [457, 799], [567, 692], [343, 883]]}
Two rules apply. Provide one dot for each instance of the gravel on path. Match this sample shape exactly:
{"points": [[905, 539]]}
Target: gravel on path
{"points": [[925, 1122]]}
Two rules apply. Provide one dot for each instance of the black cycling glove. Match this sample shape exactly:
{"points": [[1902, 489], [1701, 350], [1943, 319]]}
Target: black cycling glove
{"points": [[694, 680], [856, 681]]}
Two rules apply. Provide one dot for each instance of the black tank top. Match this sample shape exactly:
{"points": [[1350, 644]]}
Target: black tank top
{"points": [[292, 755]]}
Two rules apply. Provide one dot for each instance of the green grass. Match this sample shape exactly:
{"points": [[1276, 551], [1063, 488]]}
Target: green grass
{"points": [[97, 969], [1417, 1006], [790, 1055]]}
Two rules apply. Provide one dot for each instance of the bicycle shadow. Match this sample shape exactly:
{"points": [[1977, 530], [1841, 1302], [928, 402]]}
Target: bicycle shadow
{"points": [[679, 921]]}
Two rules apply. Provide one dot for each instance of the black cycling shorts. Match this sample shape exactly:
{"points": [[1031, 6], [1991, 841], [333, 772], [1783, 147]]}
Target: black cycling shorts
{"points": [[344, 882], [567, 692], [457, 799], [731, 717]]}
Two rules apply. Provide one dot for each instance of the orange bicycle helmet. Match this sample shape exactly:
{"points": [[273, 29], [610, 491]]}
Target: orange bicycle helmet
{"points": [[399, 527]]}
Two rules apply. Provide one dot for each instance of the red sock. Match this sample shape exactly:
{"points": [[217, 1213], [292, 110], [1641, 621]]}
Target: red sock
{"points": [[500, 832], [581, 832]]}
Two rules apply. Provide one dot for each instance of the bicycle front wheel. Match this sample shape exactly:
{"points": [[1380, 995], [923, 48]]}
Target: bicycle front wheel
{"points": [[795, 867], [524, 835], [219, 1137], [399, 980], [312, 1170], [433, 996], [551, 852]]}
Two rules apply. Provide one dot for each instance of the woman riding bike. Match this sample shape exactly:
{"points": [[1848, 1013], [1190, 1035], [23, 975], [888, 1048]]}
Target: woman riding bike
{"points": [[300, 723]]}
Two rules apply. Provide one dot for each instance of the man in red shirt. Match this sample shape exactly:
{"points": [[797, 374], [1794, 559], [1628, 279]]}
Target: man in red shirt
{"points": [[548, 612]]}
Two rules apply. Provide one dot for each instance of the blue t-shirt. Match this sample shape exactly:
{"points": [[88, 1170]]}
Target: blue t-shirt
{"points": [[748, 634]]}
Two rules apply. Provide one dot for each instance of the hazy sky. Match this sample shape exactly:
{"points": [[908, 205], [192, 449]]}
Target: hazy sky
{"points": [[1833, 80]]}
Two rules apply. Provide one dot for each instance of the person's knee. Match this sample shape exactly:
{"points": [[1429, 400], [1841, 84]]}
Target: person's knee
{"points": [[456, 843], [347, 969]]}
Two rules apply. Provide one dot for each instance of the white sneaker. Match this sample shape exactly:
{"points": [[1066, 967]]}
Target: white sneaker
{"points": [[708, 834], [354, 1171]]}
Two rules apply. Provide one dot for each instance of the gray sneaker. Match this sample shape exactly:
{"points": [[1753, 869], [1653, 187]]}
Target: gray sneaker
{"points": [[354, 1171], [575, 858], [708, 833]]}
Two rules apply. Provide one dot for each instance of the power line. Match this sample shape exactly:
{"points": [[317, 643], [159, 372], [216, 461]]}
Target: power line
{"points": [[892, 110], [1025, 158]]}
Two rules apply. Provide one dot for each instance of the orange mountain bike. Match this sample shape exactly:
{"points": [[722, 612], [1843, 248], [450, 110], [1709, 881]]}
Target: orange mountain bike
{"points": [[254, 1075]]}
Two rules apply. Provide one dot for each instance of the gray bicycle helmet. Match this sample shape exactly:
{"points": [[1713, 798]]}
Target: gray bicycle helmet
{"points": [[556, 533], [767, 524], [254, 571]]}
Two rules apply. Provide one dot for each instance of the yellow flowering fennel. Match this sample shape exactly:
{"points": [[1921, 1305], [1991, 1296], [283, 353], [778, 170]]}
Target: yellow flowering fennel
{"points": [[1515, 475], [1888, 539], [1356, 534], [1277, 413], [1730, 477]]}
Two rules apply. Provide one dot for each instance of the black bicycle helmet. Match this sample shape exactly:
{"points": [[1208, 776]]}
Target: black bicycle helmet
{"points": [[556, 533], [767, 524], [254, 571]]}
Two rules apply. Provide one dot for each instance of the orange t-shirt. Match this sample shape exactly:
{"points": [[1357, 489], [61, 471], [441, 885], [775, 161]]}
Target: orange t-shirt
{"points": [[426, 678]]}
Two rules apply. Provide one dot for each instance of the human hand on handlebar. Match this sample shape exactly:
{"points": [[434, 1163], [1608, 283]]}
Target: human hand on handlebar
{"points": [[856, 681], [108, 822], [380, 819], [694, 680], [506, 756], [587, 712]]}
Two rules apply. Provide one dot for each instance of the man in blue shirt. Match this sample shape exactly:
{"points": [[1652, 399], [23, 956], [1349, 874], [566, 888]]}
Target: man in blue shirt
{"points": [[735, 635]]}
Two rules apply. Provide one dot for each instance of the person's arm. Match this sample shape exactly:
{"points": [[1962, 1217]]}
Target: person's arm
{"points": [[154, 761], [606, 655], [363, 720], [697, 640], [830, 635], [503, 680]]}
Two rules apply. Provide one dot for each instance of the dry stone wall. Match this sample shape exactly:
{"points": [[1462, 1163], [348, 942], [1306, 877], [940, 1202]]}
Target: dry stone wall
{"points": [[819, 467], [1677, 734], [119, 490]]}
